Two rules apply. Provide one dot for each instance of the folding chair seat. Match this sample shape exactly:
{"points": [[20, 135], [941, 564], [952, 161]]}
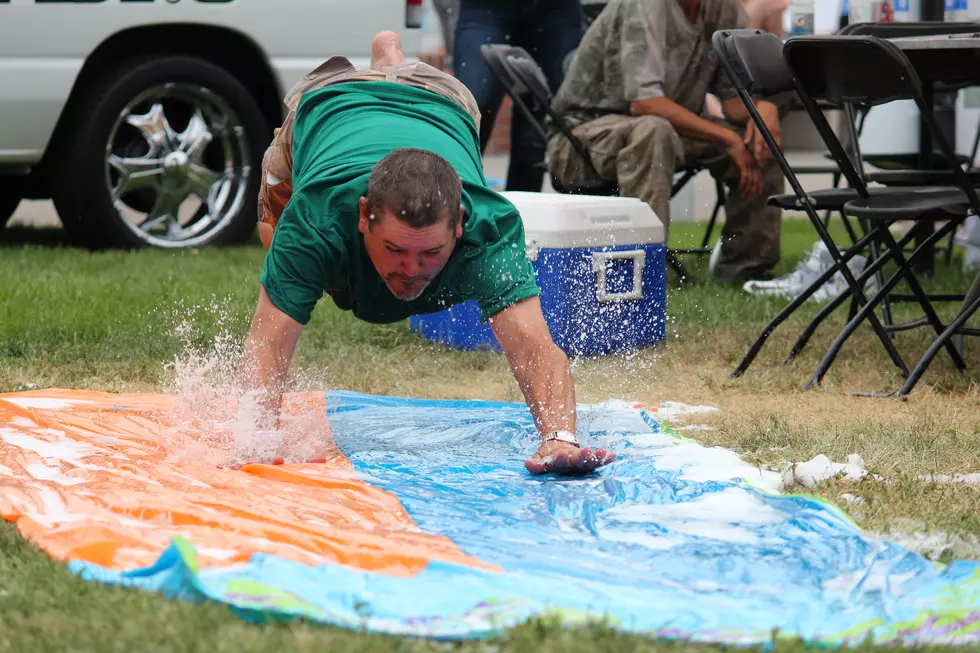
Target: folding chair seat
{"points": [[869, 71], [525, 83]]}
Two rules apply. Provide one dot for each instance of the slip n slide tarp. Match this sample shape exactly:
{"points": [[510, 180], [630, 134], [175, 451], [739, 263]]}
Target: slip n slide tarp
{"points": [[424, 522]]}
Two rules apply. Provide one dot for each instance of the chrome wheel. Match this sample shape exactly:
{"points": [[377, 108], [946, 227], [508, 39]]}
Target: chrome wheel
{"points": [[177, 165]]}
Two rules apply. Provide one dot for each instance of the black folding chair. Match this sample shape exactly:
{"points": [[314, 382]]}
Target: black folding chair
{"points": [[904, 168], [753, 61], [525, 83], [864, 70], [897, 169]]}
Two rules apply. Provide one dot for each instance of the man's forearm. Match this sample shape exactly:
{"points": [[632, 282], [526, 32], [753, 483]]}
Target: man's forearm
{"points": [[685, 123], [263, 371], [736, 113], [269, 349], [548, 388]]}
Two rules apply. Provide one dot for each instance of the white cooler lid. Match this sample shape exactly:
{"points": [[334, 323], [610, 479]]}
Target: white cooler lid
{"points": [[556, 220]]}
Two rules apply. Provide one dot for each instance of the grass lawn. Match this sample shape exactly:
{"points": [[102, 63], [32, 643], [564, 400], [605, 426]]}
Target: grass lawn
{"points": [[113, 321]]}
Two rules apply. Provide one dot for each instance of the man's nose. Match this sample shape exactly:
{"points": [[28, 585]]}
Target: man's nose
{"points": [[411, 265]]}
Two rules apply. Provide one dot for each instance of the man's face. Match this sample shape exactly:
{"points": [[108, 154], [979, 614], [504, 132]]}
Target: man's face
{"points": [[407, 259]]}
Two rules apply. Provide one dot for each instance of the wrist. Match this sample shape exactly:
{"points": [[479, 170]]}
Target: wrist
{"points": [[560, 436], [732, 139]]}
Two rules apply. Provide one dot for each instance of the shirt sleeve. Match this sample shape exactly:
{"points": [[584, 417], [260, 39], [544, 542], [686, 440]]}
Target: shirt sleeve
{"points": [[499, 274], [298, 264], [643, 49], [732, 16]]}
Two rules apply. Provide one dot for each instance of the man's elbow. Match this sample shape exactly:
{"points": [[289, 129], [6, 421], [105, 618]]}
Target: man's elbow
{"points": [[265, 234], [643, 108], [653, 106]]}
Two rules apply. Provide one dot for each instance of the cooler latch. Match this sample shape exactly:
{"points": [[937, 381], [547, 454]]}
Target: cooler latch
{"points": [[600, 261]]}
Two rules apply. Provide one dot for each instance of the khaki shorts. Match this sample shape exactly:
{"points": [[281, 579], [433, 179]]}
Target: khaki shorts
{"points": [[276, 186]]}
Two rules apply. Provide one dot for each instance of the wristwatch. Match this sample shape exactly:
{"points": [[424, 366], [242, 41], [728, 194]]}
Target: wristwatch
{"points": [[562, 436]]}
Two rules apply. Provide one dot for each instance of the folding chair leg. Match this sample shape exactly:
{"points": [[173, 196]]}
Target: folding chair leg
{"points": [[886, 307], [874, 269], [779, 319], [719, 202], [826, 218], [828, 213], [920, 294], [942, 341], [849, 229], [949, 247], [868, 309], [802, 297], [679, 268]]}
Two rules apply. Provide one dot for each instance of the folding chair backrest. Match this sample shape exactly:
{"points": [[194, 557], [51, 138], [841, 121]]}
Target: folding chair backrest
{"points": [[753, 61], [503, 61], [526, 83], [910, 28], [863, 70], [900, 29], [851, 69], [756, 60]]}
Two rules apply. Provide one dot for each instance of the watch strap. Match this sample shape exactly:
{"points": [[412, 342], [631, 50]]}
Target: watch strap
{"points": [[562, 436]]}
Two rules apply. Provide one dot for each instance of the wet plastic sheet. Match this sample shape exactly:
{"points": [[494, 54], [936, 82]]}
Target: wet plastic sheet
{"points": [[424, 522]]}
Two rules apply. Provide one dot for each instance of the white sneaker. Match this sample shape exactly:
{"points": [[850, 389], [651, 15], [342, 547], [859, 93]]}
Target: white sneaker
{"points": [[836, 284], [792, 284], [969, 240], [807, 271]]}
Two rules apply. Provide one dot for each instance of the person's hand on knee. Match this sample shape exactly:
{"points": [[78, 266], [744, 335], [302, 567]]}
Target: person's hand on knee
{"points": [[750, 176]]}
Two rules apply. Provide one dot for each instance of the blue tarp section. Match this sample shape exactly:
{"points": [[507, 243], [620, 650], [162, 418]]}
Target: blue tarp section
{"points": [[663, 541]]}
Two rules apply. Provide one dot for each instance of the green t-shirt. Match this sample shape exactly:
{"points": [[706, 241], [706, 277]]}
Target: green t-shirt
{"points": [[340, 132]]}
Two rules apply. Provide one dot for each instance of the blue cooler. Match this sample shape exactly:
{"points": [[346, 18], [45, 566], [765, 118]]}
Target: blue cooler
{"points": [[601, 265]]}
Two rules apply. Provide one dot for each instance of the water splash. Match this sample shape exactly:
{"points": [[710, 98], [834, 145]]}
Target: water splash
{"points": [[216, 421]]}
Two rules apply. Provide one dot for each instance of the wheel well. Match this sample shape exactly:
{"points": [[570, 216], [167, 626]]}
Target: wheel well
{"points": [[224, 47]]}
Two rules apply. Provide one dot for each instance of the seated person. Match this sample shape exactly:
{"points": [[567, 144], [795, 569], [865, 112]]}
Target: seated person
{"points": [[373, 192], [635, 94]]}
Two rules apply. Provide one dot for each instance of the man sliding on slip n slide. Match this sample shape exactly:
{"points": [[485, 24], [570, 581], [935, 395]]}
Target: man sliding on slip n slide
{"points": [[373, 192]]}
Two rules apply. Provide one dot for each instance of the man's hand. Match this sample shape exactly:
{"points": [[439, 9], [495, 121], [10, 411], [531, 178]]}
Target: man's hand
{"points": [[541, 370], [567, 459], [753, 137], [750, 181]]}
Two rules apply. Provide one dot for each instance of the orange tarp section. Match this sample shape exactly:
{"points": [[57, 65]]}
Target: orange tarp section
{"points": [[88, 476]]}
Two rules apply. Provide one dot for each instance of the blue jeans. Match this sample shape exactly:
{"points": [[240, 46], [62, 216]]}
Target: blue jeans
{"points": [[548, 30]]}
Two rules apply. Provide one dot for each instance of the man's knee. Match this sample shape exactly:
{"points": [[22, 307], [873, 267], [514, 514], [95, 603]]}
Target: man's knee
{"points": [[564, 163], [773, 181], [657, 138], [653, 128]]}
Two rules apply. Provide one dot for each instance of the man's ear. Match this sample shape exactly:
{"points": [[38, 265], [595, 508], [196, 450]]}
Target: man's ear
{"points": [[364, 223], [459, 223]]}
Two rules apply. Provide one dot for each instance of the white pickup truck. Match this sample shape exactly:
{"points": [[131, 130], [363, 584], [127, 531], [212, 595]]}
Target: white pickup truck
{"points": [[146, 120]]}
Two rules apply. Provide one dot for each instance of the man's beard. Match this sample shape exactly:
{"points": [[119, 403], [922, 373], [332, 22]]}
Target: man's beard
{"points": [[413, 296]]}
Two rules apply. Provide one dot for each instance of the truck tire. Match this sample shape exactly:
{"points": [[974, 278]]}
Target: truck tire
{"points": [[9, 197], [164, 151]]}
